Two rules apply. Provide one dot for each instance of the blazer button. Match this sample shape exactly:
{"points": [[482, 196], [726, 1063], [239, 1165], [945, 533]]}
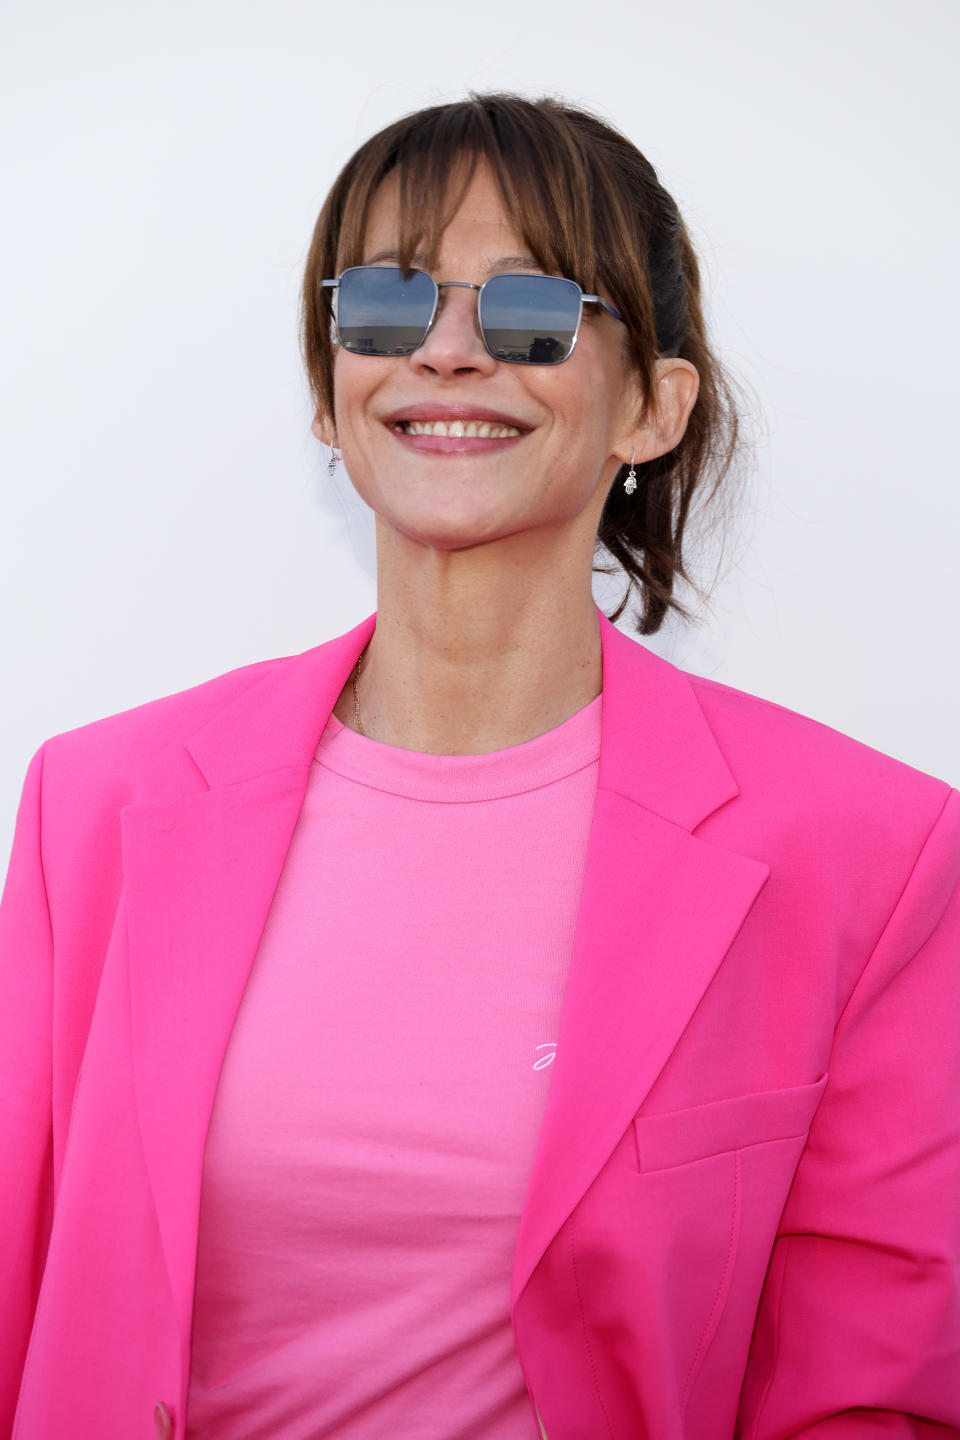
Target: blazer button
{"points": [[163, 1421]]}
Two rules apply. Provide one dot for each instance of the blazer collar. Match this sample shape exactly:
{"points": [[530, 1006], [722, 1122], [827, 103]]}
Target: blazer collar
{"points": [[656, 747], [277, 723]]}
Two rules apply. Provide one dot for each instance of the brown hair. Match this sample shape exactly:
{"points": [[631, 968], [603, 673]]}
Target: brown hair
{"points": [[590, 207]]}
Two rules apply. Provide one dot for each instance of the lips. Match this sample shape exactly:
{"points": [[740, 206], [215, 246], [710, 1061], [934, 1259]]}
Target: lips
{"points": [[456, 421], [456, 429]]}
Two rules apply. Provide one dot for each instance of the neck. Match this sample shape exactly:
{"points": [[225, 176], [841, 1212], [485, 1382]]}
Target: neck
{"points": [[472, 654]]}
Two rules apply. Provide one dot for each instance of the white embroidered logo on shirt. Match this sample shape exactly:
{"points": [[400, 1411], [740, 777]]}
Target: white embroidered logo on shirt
{"points": [[542, 1061]]}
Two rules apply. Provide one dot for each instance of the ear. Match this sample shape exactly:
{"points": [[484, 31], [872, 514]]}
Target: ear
{"points": [[324, 429], [664, 419]]}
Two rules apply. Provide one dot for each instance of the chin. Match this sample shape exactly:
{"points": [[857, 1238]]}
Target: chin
{"points": [[452, 537], [453, 529]]}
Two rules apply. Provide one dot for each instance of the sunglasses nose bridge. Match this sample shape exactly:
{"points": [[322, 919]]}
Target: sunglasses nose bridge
{"points": [[473, 310]]}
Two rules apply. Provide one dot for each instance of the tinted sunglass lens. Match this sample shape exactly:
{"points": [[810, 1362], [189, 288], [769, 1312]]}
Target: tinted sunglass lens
{"points": [[530, 319], [382, 310]]}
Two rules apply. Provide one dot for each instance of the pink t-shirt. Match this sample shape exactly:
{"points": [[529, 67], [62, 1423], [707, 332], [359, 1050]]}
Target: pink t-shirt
{"points": [[382, 1094]]}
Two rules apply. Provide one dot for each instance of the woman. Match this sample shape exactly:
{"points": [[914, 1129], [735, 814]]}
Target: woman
{"points": [[474, 1025]]}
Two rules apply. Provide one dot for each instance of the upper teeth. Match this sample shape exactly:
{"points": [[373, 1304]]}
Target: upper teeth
{"points": [[479, 429]]}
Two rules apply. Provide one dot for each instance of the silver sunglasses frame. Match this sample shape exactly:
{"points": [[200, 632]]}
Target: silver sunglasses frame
{"points": [[439, 285]]}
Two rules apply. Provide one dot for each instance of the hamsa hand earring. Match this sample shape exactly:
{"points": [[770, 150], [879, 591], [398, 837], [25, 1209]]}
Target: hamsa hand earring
{"points": [[630, 484]]}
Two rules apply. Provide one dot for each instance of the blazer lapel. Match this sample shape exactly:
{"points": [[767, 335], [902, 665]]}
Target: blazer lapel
{"points": [[199, 877], [659, 909]]}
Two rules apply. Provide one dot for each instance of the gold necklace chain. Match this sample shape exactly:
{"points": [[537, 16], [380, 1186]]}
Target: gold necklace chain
{"points": [[356, 692]]}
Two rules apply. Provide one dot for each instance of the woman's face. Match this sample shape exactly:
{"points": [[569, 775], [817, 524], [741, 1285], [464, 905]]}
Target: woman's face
{"points": [[575, 422]]}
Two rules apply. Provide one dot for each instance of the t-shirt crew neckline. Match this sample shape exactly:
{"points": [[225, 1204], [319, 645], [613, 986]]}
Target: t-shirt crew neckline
{"points": [[569, 747]]}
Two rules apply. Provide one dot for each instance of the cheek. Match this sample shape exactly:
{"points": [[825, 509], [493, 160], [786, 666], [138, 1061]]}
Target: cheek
{"points": [[586, 393], [355, 380], [604, 380], [342, 390], [583, 424]]}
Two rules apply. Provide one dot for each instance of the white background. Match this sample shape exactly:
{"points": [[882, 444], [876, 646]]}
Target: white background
{"points": [[166, 512]]}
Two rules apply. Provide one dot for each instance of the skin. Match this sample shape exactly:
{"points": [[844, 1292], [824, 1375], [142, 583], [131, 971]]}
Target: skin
{"points": [[487, 634]]}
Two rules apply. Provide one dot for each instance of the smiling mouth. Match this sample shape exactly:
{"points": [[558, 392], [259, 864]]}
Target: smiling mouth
{"points": [[457, 429]]}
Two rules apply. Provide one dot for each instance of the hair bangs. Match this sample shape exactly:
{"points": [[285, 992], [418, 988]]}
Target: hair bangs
{"points": [[545, 189]]}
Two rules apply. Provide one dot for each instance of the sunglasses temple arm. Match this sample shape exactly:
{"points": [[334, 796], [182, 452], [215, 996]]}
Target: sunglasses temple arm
{"points": [[599, 300]]}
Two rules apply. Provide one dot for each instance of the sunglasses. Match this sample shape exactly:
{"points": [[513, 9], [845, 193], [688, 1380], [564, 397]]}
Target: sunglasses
{"points": [[524, 319]]}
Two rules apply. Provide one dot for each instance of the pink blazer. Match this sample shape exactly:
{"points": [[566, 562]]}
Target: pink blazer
{"points": [[744, 1209]]}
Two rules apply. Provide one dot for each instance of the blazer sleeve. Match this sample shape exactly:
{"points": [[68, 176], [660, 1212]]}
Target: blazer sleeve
{"points": [[858, 1330], [26, 1139]]}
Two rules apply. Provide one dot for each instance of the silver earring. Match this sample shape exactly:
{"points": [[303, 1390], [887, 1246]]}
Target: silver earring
{"points": [[333, 462], [630, 484]]}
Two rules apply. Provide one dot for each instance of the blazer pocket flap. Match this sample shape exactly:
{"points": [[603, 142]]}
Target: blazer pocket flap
{"points": [[679, 1136]]}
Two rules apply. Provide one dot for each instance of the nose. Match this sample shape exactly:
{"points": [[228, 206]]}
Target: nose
{"points": [[454, 345]]}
